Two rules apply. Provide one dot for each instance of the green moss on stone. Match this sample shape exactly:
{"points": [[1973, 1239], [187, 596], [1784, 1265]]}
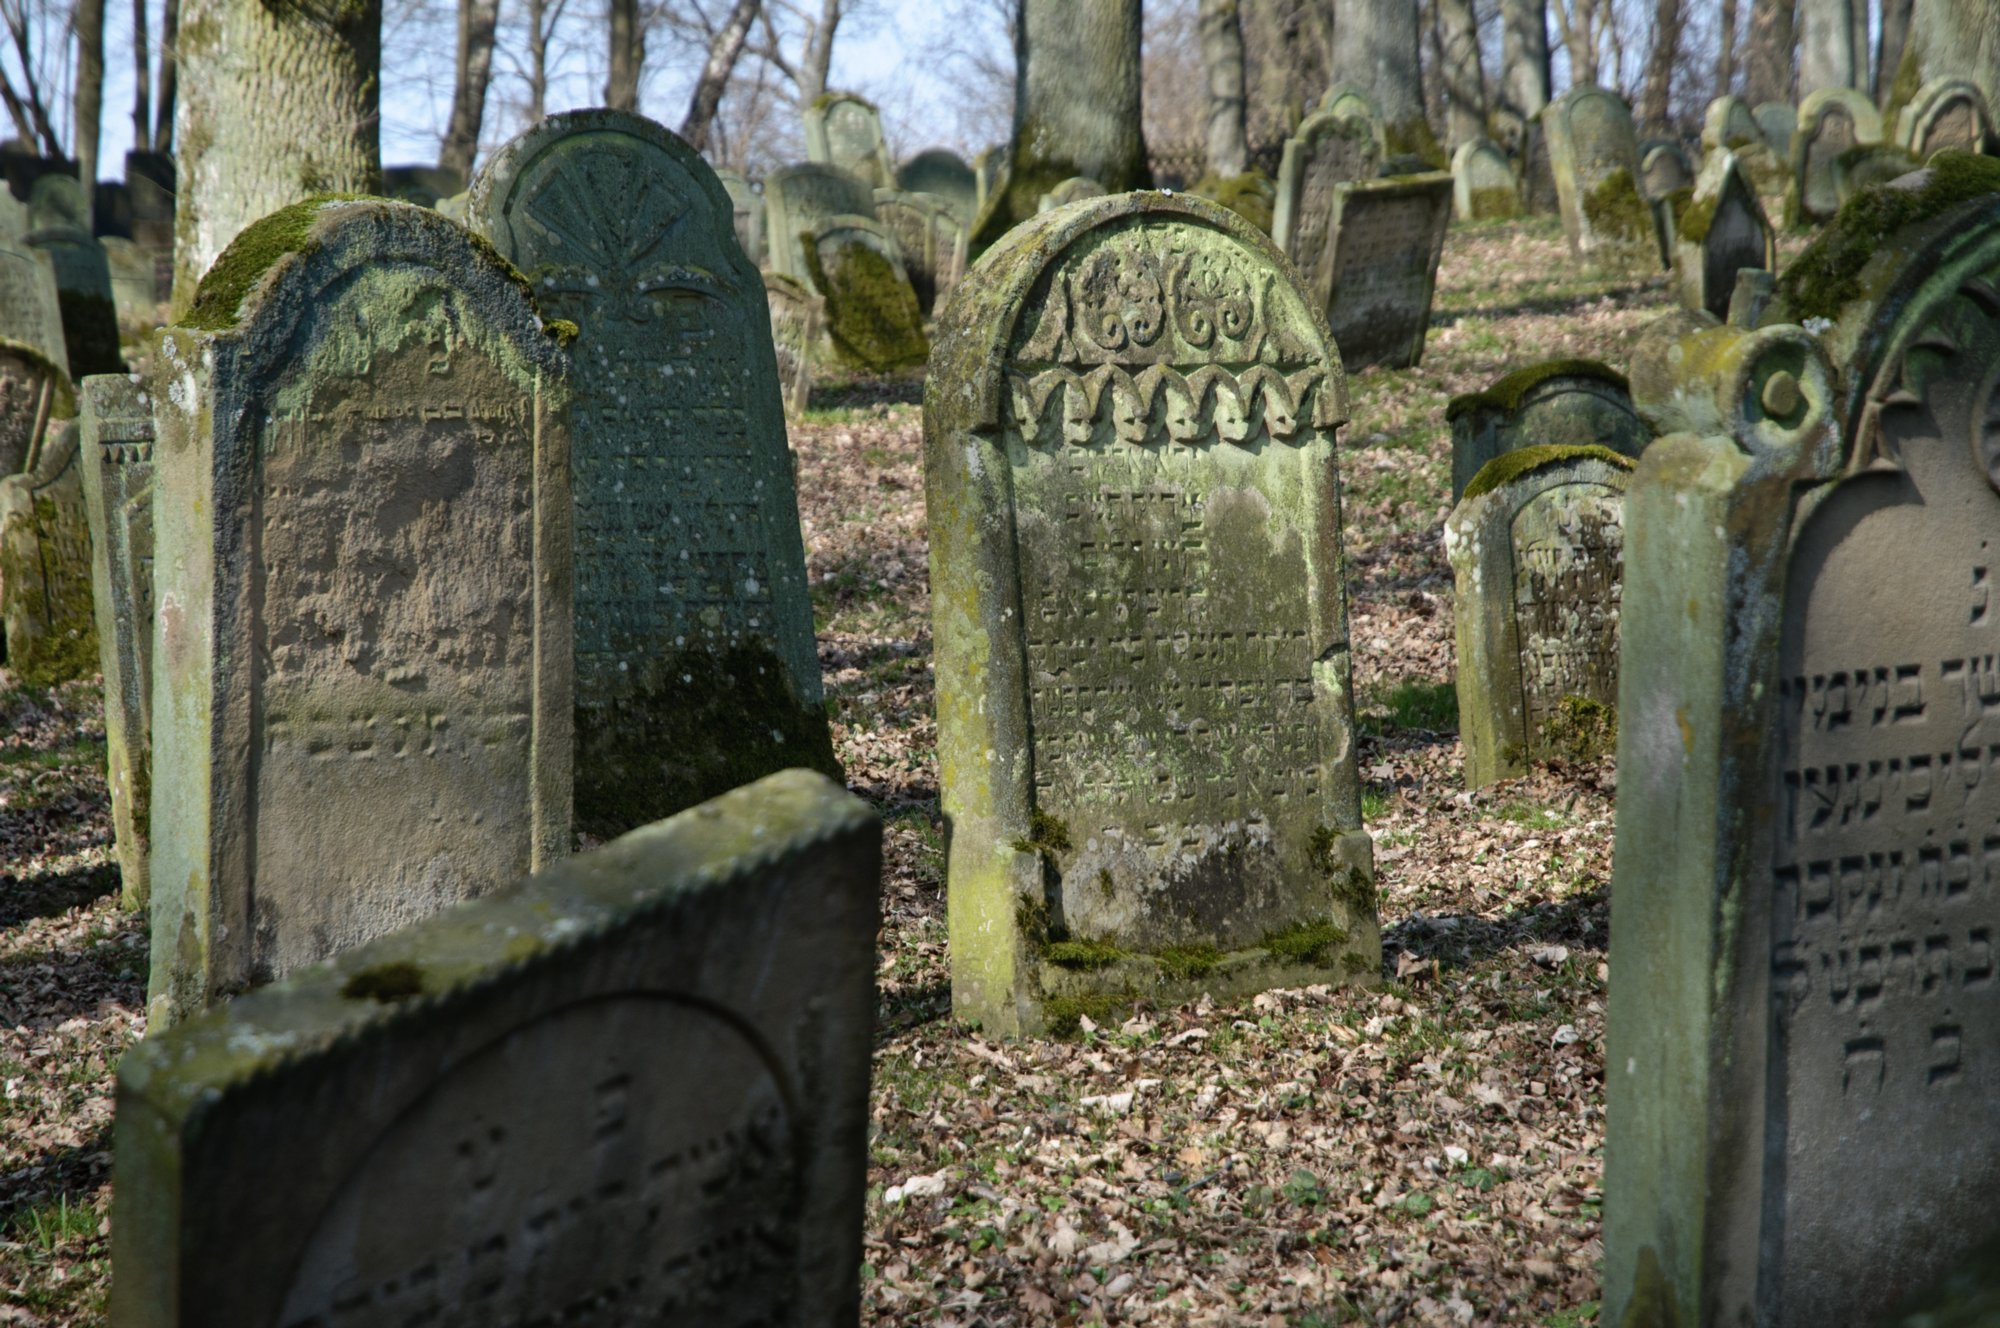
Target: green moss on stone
{"points": [[1184, 963], [561, 331], [1047, 836], [1616, 209], [385, 983], [1494, 202], [1083, 956], [1414, 139], [1693, 218], [1351, 887], [1063, 1016], [1903, 89], [1251, 196], [1509, 392], [1307, 943], [256, 250], [1510, 466], [871, 311], [1580, 730]]}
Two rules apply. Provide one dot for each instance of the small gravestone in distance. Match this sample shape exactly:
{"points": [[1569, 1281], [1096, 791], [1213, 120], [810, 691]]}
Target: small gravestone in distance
{"points": [[131, 287], [1777, 126], [747, 213], [1145, 730], [1387, 237], [1832, 121], [1946, 115], [424, 185], [932, 241], [797, 199], [1538, 177], [798, 318], [60, 228], [1869, 165], [1595, 156], [115, 457], [1722, 231], [1730, 124], [45, 567], [35, 397], [1663, 169], [943, 174], [872, 318], [1072, 190], [362, 659], [1348, 100], [696, 668], [1483, 187], [1327, 151], [30, 309], [1561, 403], [631, 1089], [846, 131], [1537, 550]]}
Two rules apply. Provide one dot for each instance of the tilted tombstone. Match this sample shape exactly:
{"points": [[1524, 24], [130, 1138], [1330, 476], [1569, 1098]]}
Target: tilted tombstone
{"points": [[45, 566], [1144, 725], [115, 457], [1723, 231], [1537, 551], [361, 653], [60, 227], [1328, 150], [633, 1089], [1560, 403], [1072, 190], [132, 293], [796, 200], [1946, 115], [931, 239], [1730, 124], [35, 397], [696, 668], [798, 318], [1595, 156], [1381, 269], [1803, 1046], [30, 310], [1664, 169], [872, 319], [943, 174], [1538, 177], [1482, 182], [1832, 121], [1869, 165], [747, 213], [846, 131]]}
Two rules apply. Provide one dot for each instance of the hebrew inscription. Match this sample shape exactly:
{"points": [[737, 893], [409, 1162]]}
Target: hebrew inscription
{"points": [[1568, 570]]}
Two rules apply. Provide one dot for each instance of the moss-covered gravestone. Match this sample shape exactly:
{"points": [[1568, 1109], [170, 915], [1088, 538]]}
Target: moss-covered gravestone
{"points": [[1537, 547], [796, 200], [1664, 169], [1803, 1046], [1328, 150], [1947, 115], [696, 669], [30, 310], [1072, 190], [1559, 403], [943, 174], [1145, 735], [1595, 156], [798, 317], [747, 208], [1483, 187], [1832, 121], [931, 238], [872, 320], [1722, 231], [1383, 248], [1729, 123], [633, 1089], [846, 131], [45, 566], [362, 661], [115, 458], [60, 228], [35, 396]]}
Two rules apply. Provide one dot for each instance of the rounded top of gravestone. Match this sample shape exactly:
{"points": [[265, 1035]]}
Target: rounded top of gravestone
{"points": [[55, 202], [1728, 123], [1933, 99], [30, 362], [1521, 463], [1586, 93], [1856, 106], [1349, 99], [1512, 392]]}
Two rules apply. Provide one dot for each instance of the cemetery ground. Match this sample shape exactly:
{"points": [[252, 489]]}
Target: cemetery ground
{"points": [[1424, 1151]]}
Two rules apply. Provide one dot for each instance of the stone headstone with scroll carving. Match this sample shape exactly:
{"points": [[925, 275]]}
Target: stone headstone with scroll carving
{"points": [[1537, 550], [798, 318], [59, 226], [361, 521], [696, 668], [45, 566], [1145, 728], [1328, 150], [1722, 232], [632, 1089], [1559, 403], [1381, 268], [796, 200], [1595, 156], [1803, 1050], [846, 131]]}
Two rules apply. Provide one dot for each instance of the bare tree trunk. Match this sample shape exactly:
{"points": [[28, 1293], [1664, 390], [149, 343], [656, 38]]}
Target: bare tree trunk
{"points": [[1949, 39], [1464, 80], [1657, 97], [170, 44], [1576, 23], [16, 109], [723, 49], [88, 104], [1826, 44], [1524, 62], [538, 60], [476, 22], [1376, 46], [817, 65], [1895, 35], [628, 56], [1222, 62], [281, 103], [1767, 58], [1285, 43], [1725, 58], [29, 96], [142, 79]]}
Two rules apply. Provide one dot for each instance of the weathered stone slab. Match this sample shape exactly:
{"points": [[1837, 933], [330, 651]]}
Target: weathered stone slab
{"points": [[844, 130], [943, 174], [797, 199], [362, 660], [30, 309], [1730, 124], [931, 238], [1073, 190], [634, 1089], [747, 214], [1777, 126], [872, 319], [1482, 182], [1832, 122], [115, 462], [1723, 231], [132, 291], [1538, 177], [1561, 403], [1381, 271], [423, 184], [1946, 115], [798, 319], [45, 567], [1803, 1047], [1867, 166], [34, 397], [1145, 730], [1537, 551], [1595, 156], [1327, 151], [696, 669], [1664, 169], [60, 227]]}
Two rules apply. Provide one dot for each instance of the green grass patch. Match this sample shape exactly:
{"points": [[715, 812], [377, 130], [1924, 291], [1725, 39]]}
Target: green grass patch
{"points": [[1416, 706]]}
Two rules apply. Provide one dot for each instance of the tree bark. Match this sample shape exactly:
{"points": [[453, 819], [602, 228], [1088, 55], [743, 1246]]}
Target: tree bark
{"points": [[1657, 96], [1285, 44], [628, 56], [142, 79], [1464, 80], [282, 103], [1826, 45], [1576, 20], [1725, 57], [87, 106], [723, 50], [1376, 48], [1767, 58], [1524, 63], [1222, 63], [816, 66], [474, 74], [164, 111], [1950, 39], [1889, 54]]}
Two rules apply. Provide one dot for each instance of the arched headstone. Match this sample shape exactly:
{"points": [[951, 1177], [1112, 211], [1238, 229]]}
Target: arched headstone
{"points": [[872, 318], [1722, 231], [1946, 115], [846, 131], [1558, 403], [1328, 150], [797, 199], [1595, 156], [1832, 121], [945, 175], [1483, 183]]}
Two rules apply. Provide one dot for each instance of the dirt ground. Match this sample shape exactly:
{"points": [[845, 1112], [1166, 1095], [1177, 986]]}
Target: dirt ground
{"points": [[1428, 1151]]}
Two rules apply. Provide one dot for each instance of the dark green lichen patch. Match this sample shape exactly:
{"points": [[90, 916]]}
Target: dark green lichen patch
{"points": [[258, 248], [1580, 730], [1510, 466], [1307, 943], [1063, 1015], [1509, 392], [1082, 956], [561, 331], [1615, 209], [1692, 217], [385, 983], [1047, 835], [1184, 963], [1494, 202], [871, 310], [1251, 196]]}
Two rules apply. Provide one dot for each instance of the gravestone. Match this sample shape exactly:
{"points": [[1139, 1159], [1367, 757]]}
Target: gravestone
{"points": [[1729, 123], [424, 185], [945, 175], [30, 309], [1832, 121], [1560, 403], [362, 660], [1350, 100], [1538, 177], [796, 200], [696, 669], [1777, 126], [1803, 1046], [1869, 165], [115, 461], [1075, 189], [798, 319], [1537, 550], [634, 1089], [1946, 115], [35, 397], [989, 169], [45, 566], [846, 131], [747, 214], [1664, 169], [149, 179], [872, 320], [931, 239], [1327, 151], [132, 293], [1595, 157], [60, 227], [1381, 269], [1482, 182], [1144, 727], [1723, 231]]}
